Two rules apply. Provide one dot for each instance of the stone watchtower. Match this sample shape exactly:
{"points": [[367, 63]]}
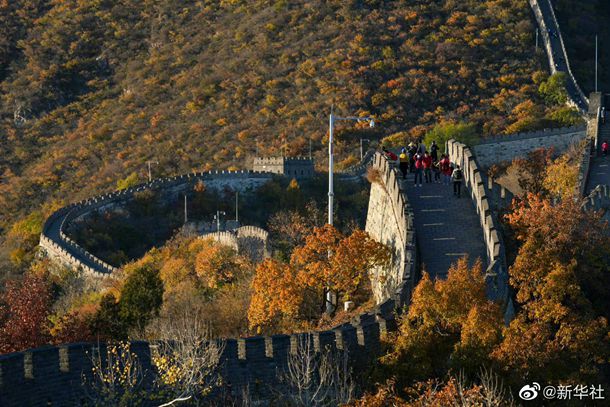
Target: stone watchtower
{"points": [[292, 167]]}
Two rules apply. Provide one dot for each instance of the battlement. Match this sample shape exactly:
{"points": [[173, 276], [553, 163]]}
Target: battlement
{"points": [[56, 243], [497, 149], [294, 167], [598, 199], [497, 287], [54, 375], [390, 221]]}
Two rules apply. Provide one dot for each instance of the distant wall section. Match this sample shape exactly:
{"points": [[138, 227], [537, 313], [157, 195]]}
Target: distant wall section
{"points": [[505, 148]]}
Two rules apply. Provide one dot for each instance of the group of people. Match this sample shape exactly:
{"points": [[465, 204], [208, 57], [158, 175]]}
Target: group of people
{"points": [[425, 165]]}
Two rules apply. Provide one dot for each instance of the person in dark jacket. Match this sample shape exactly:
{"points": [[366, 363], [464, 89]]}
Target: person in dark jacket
{"points": [[456, 177], [434, 151], [404, 162]]}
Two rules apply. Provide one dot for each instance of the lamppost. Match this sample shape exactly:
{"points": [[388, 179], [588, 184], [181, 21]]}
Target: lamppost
{"points": [[149, 171], [362, 147], [217, 219], [331, 125], [330, 296]]}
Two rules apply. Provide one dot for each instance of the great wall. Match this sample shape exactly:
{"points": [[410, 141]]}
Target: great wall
{"points": [[53, 375]]}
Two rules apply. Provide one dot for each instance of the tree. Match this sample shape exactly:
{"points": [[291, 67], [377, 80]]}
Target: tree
{"points": [[560, 276], [450, 325], [217, 264], [532, 170], [553, 90], [327, 260], [141, 297], [331, 261], [276, 294], [24, 309], [441, 133], [561, 177]]}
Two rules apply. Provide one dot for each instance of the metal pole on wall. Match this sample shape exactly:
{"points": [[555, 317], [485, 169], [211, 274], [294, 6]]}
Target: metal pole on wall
{"points": [[331, 194], [537, 32], [236, 206], [185, 211], [596, 63]]}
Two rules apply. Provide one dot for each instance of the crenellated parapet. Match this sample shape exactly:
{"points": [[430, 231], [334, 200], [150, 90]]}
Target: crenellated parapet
{"points": [[56, 243], [54, 375], [390, 221], [493, 150], [497, 270], [546, 19], [249, 240], [598, 199]]}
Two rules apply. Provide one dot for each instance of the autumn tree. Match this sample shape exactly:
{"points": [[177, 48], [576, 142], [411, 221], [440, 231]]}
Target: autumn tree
{"points": [[24, 309], [561, 177], [532, 169], [450, 325], [560, 276], [217, 264], [328, 260]]}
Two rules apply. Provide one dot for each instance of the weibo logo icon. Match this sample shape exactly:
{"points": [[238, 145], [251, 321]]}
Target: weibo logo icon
{"points": [[528, 392]]}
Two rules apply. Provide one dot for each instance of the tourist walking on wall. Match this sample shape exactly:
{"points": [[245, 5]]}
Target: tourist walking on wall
{"points": [[404, 162], [421, 148], [436, 169], [412, 151], [446, 169], [456, 177], [427, 161], [419, 168], [434, 151], [390, 155], [605, 148]]}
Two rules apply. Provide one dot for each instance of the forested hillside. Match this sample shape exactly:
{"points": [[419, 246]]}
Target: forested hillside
{"points": [[91, 90]]}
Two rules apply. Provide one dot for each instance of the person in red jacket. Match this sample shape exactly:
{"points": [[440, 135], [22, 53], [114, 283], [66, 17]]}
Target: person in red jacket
{"points": [[427, 162], [446, 169], [390, 155], [605, 148], [419, 167]]}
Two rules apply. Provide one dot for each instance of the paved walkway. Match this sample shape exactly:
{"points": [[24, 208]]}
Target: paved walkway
{"points": [[447, 228]]}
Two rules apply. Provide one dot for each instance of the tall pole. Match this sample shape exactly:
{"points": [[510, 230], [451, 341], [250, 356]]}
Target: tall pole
{"points": [[310, 149], [331, 194], [236, 206], [537, 39], [185, 210], [596, 63]]}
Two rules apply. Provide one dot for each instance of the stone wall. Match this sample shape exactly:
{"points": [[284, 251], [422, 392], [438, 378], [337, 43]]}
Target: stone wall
{"points": [[390, 221], [293, 167], [598, 199], [251, 241], [505, 148], [53, 376], [552, 53], [57, 244], [497, 272]]}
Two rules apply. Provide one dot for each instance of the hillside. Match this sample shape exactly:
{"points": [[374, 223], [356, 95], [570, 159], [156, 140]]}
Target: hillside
{"points": [[91, 90]]}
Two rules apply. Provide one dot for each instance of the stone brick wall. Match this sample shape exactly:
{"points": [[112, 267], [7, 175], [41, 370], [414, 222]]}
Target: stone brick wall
{"points": [[53, 376], [598, 199], [293, 167], [249, 240], [506, 148], [390, 221], [497, 272], [552, 53], [55, 242]]}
